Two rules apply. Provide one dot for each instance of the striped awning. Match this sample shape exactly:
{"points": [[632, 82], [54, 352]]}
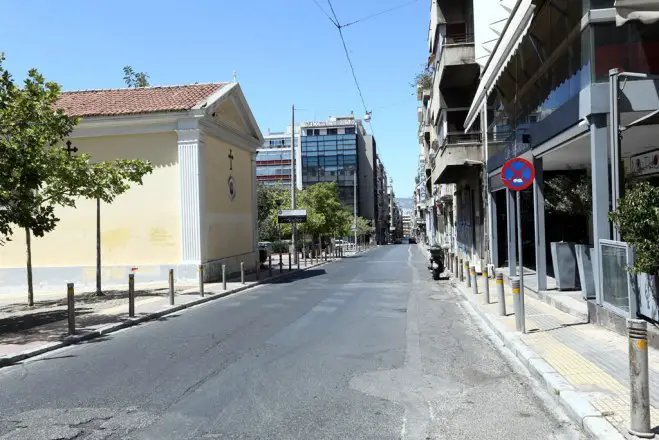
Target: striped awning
{"points": [[646, 11]]}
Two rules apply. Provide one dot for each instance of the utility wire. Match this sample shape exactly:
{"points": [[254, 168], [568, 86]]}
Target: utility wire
{"points": [[325, 13], [380, 13], [345, 48]]}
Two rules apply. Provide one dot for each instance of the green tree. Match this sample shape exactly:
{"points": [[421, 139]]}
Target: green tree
{"points": [[135, 79], [270, 198], [637, 218], [36, 174]]}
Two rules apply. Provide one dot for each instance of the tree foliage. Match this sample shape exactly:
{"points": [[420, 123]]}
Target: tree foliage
{"points": [[566, 194], [425, 77], [270, 198], [637, 218], [135, 79]]}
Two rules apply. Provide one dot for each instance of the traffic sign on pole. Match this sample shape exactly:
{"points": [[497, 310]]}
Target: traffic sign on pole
{"points": [[517, 174]]}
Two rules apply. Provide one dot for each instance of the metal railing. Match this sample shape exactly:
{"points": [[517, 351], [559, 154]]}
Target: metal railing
{"points": [[467, 38]]}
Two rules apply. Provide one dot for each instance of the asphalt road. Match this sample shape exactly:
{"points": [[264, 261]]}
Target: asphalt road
{"points": [[366, 348]]}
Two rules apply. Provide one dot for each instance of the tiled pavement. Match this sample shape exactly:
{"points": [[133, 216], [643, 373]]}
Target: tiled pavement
{"points": [[591, 359], [26, 329]]}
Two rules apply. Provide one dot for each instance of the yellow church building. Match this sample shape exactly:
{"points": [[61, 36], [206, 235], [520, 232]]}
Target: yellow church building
{"points": [[197, 207]]}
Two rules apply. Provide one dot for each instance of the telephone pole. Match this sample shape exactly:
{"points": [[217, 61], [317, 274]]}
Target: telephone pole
{"points": [[294, 225]]}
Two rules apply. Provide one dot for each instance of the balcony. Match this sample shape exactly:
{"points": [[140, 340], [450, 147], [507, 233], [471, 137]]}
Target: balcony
{"points": [[458, 152], [457, 65]]}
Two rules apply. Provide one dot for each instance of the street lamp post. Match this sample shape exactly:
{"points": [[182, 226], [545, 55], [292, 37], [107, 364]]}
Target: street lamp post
{"points": [[354, 202]]}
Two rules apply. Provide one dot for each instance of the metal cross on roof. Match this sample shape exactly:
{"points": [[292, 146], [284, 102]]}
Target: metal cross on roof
{"points": [[70, 150], [230, 159]]}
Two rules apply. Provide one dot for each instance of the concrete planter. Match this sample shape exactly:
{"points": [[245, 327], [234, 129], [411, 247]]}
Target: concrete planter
{"points": [[647, 298], [564, 261], [585, 266]]}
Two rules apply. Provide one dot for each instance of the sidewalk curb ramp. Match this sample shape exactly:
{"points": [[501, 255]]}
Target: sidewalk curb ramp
{"points": [[130, 322], [576, 403]]}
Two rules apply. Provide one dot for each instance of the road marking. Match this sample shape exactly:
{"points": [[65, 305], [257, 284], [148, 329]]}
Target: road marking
{"points": [[333, 301], [275, 306], [344, 293], [324, 309]]}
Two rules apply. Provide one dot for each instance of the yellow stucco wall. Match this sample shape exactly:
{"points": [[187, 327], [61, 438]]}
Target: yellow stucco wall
{"points": [[142, 226], [229, 223]]}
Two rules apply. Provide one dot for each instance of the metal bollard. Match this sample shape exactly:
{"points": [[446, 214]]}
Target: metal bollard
{"points": [[474, 280], [456, 266], [171, 287], [242, 272], [486, 286], [460, 274], [270, 265], [304, 254], [289, 262], [201, 280], [131, 295], [467, 274], [258, 269], [224, 277], [516, 305], [281, 263], [501, 294], [70, 301], [325, 253], [639, 388], [298, 262]]}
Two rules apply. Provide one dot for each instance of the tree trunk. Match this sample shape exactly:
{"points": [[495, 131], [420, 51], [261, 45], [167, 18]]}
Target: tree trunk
{"points": [[30, 287], [99, 291]]}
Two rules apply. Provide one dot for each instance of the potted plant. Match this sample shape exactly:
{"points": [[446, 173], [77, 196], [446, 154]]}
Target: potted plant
{"points": [[571, 195], [637, 219]]}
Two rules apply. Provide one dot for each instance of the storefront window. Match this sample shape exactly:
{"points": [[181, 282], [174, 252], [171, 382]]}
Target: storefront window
{"points": [[632, 47]]}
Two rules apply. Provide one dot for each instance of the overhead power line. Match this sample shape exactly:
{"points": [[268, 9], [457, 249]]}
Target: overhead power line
{"points": [[368, 17], [325, 13]]}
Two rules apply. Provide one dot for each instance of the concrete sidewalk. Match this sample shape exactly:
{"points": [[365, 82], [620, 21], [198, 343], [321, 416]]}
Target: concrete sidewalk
{"points": [[583, 366], [27, 332]]}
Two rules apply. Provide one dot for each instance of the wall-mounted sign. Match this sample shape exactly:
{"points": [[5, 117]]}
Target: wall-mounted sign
{"points": [[292, 216], [645, 164]]}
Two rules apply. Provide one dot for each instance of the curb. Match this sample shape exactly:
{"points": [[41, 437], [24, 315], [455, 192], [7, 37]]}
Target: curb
{"points": [[130, 322], [575, 403]]}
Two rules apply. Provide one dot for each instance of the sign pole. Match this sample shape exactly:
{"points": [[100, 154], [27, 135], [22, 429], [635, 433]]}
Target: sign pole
{"points": [[517, 175], [520, 266]]}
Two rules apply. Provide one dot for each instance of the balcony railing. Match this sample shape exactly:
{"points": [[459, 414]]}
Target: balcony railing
{"points": [[457, 39]]}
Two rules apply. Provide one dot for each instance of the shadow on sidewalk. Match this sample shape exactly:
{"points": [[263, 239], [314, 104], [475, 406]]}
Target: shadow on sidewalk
{"points": [[294, 276]]}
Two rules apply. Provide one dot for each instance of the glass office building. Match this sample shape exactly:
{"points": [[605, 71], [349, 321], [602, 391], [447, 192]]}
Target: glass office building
{"points": [[273, 160], [330, 154]]}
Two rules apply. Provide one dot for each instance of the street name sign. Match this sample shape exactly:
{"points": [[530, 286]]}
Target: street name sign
{"points": [[292, 216]]}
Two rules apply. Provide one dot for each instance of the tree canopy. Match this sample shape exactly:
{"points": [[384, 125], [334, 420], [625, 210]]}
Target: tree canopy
{"points": [[135, 79]]}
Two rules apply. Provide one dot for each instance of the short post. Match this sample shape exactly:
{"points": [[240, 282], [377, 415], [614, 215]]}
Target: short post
{"points": [[224, 277], [516, 305], [131, 295], [258, 268], [467, 273], [270, 265], [281, 263], [171, 287], [70, 300], [201, 280], [304, 254], [474, 280], [459, 269], [639, 387], [325, 254], [289, 262], [242, 272], [456, 266], [298, 262], [486, 285], [501, 294]]}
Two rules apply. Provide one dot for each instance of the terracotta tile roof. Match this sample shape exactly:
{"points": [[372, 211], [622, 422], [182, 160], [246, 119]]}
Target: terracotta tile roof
{"points": [[115, 102]]}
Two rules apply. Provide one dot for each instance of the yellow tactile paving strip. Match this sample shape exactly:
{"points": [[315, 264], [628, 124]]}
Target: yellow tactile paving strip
{"points": [[612, 397]]}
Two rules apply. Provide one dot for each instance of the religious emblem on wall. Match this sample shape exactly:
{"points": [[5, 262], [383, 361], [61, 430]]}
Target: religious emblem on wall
{"points": [[231, 183]]}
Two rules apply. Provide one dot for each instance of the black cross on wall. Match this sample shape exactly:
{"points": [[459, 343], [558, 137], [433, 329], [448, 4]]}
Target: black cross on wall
{"points": [[230, 160], [70, 150]]}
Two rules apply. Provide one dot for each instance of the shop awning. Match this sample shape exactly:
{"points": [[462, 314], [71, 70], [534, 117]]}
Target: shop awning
{"points": [[647, 11], [517, 26]]}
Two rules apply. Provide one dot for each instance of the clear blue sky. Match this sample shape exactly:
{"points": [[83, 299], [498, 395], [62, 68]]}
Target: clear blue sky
{"points": [[284, 52]]}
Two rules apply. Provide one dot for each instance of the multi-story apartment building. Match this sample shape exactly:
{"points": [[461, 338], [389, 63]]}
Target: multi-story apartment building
{"points": [[548, 80], [407, 223], [273, 160], [452, 153]]}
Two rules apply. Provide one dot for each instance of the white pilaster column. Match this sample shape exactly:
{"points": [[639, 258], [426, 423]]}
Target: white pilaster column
{"points": [[539, 219], [190, 161], [255, 233]]}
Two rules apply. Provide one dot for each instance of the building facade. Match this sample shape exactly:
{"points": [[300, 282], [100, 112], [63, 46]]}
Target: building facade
{"points": [[340, 150], [274, 161], [559, 82]]}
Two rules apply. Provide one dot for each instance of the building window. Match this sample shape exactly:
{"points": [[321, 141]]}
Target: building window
{"points": [[332, 131], [350, 130]]}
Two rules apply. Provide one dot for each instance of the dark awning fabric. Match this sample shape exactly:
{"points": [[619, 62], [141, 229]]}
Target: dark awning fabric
{"points": [[646, 11]]}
